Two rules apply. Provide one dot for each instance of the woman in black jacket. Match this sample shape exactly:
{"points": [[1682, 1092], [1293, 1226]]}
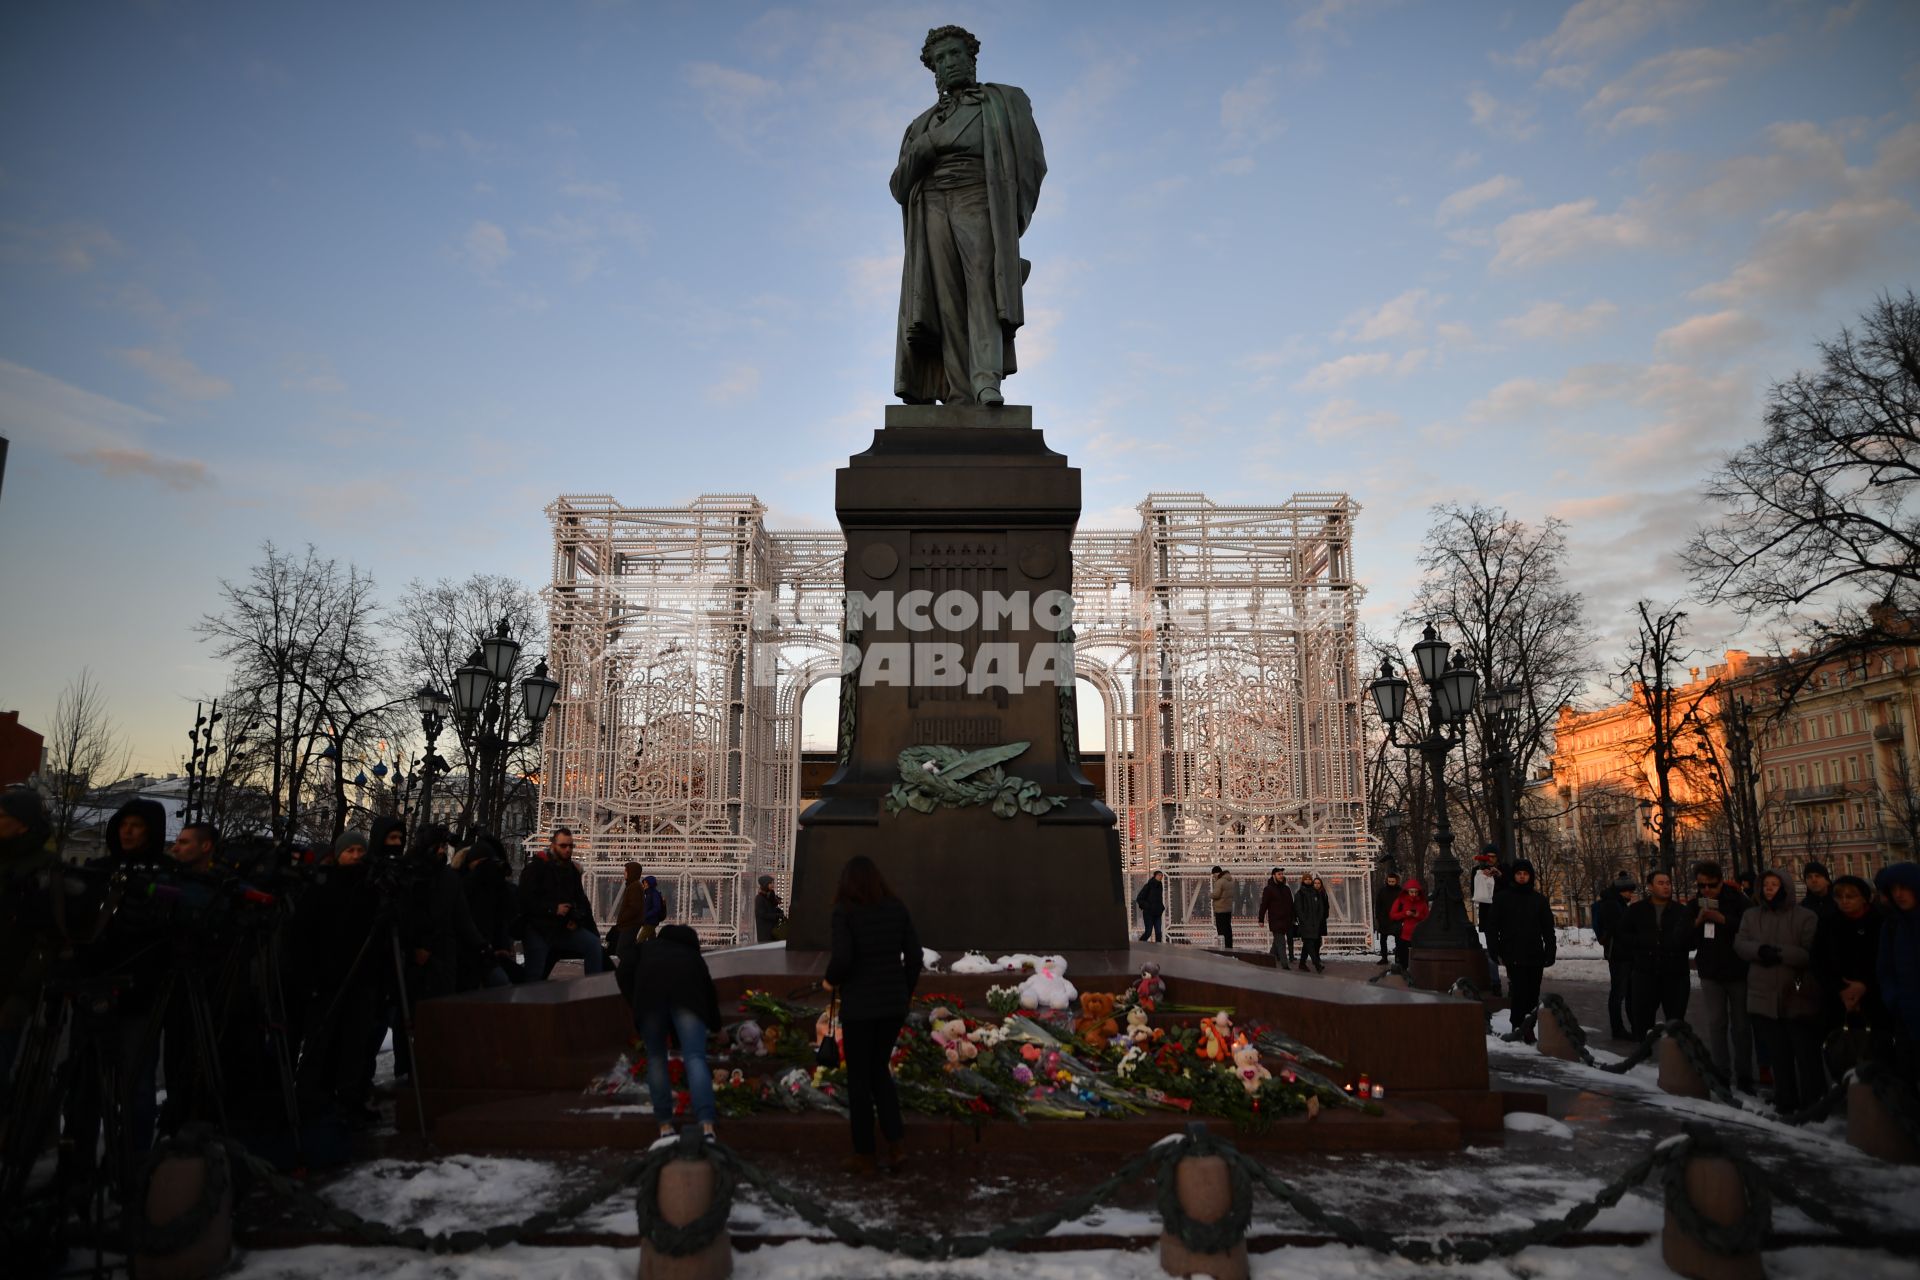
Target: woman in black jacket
{"points": [[673, 991], [875, 965]]}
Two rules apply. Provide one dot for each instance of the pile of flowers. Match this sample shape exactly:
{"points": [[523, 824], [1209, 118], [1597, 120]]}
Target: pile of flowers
{"points": [[1011, 1065]]}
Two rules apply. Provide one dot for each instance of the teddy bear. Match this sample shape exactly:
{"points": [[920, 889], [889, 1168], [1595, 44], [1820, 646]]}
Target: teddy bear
{"points": [[1095, 1023], [1139, 1028], [1216, 1038], [952, 1036], [1047, 988], [1246, 1063], [750, 1039], [1151, 988]]}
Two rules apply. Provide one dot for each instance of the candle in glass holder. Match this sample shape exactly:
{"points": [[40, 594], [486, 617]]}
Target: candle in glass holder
{"points": [[1379, 1092]]}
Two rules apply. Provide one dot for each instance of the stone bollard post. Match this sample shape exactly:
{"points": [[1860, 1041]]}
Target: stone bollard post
{"points": [[1206, 1193], [1397, 981], [175, 1193], [686, 1192], [1871, 1127], [1713, 1185], [1677, 1073], [1552, 1039]]}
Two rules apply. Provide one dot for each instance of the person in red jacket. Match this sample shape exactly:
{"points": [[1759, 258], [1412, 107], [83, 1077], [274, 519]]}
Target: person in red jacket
{"points": [[1409, 909]]}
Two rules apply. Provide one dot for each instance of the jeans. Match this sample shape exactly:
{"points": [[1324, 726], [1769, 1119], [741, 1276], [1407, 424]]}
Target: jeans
{"points": [[1223, 925], [1279, 948], [1722, 1023], [1664, 991], [869, 1046], [1794, 1046], [691, 1030], [543, 949], [1153, 931]]}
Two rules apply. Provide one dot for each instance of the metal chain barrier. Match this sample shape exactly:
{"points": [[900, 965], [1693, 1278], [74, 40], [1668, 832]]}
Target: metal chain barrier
{"points": [[1666, 1159]]}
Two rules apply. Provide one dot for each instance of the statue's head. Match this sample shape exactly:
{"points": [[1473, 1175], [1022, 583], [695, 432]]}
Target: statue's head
{"points": [[950, 53]]}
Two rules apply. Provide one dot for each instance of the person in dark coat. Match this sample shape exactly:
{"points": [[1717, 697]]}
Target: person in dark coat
{"points": [[1657, 936], [1152, 901], [1846, 959], [493, 905], [1721, 1013], [673, 994], [437, 932], [1818, 894], [346, 971], [1276, 912], [1383, 900], [554, 908], [28, 926], [1519, 924], [767, 913], [1899, 966], [1310, 913], [1608, 914], [873, 970]]}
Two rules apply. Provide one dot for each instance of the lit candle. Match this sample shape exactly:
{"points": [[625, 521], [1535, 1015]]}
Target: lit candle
{"points": [[1379, 1091]]}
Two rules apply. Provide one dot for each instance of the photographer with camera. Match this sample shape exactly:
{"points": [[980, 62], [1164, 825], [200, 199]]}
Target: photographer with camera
{"points": [[347, 972]]}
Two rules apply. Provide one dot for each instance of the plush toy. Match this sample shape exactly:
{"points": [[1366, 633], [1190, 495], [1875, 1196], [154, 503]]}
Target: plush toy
{"points": [[952, 1036], [748, 1038], [1150, 989], [1246, 1063], [1095, 1023], [1216, 1038], [1139, 1029], [770, 1039], [1046, 988]]}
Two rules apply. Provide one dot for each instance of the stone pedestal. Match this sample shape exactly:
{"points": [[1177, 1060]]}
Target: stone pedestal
{"points": [[1871, 1128], [1713, 1185], [959, 524], [1678, 1075], [1206, 1194], [1438, 968]]}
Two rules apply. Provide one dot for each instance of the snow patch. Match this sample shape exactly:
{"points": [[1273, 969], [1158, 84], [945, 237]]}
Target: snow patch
{"points": [[1534, 1122]]}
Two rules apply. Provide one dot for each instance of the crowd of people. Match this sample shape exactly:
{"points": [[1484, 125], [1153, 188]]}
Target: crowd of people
{"points": [[312, 957], [1787, 981]]}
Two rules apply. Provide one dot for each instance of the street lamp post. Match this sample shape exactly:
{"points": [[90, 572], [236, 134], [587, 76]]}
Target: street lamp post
{"points": [[1445, 946], [484, 706], [1391, 822], [432, 705], [1503, 716]]}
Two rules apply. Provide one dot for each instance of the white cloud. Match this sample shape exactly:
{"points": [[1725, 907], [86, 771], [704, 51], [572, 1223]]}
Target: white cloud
{"points": [[1802, 155], [1592, 28], [1801, 255], [177, 375], [739, 382], [1509, 120], [1650, 91], [71, 246], [736, 103], [1566, 230], [1467, 199], [1249, 119], [1345, 417], [1338, 372], [484, 247], [176, 473], [1552, 320], [312, 374], [1400, 317], [37, 407], [1714, 333]]}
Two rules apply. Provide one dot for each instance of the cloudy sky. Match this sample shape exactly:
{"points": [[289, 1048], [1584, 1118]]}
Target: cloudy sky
{"points": [[387, 278]]}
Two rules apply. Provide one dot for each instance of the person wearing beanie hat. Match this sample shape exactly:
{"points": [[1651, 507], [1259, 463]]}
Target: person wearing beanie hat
{"points": [[1384, 897], [1899, 963], [1276, 912], [768, 915], [1818, 897], [1220, 891], [349, 847], [1606, 915], [1519, 924]]}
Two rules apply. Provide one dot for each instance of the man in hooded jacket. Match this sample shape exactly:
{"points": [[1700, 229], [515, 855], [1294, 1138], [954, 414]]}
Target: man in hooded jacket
{"points": [[1783, 999], [1519, 925]]}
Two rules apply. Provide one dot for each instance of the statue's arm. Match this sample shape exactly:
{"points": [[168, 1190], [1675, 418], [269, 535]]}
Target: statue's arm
{"points": [[916, 153]]}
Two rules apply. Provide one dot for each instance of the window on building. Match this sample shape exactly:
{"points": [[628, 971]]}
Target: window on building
{"points": [[1770, 778], [1800, 772], [1859, 816], [1853, 768], [1886, 664], [1846, 719], [1829, 724]]}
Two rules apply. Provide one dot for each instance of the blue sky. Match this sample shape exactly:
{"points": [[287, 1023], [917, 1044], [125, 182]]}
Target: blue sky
{"points": [[387, 278]]}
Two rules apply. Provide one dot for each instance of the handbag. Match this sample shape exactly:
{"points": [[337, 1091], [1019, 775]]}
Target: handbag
{"points": [[1847, 1047], [826, 1054]]}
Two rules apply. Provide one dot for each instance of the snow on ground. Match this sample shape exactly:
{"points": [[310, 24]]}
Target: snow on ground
{"points": [[804, 1260], [453, 1192]]}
